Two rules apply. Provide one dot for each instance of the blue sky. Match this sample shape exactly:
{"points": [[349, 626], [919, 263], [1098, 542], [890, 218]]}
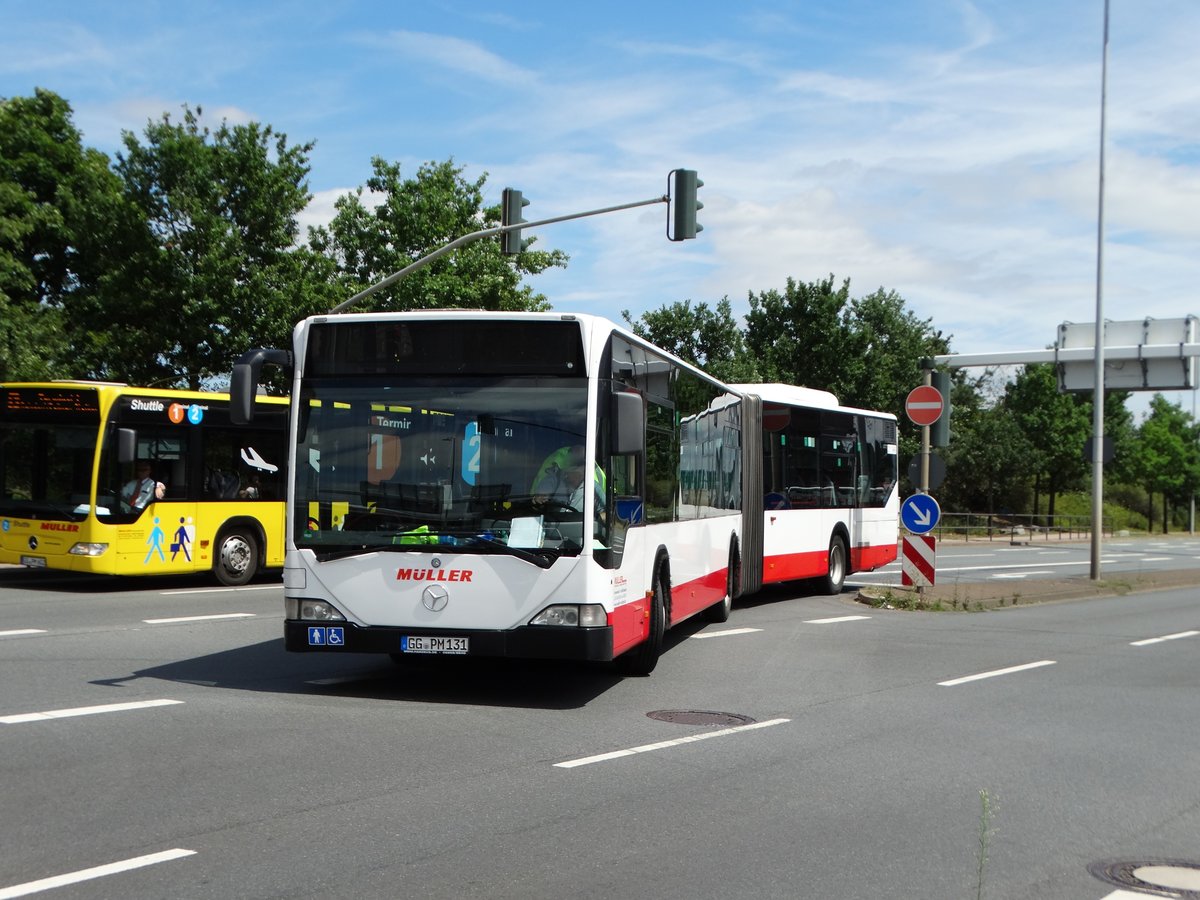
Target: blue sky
{"points": [[944, 149]]}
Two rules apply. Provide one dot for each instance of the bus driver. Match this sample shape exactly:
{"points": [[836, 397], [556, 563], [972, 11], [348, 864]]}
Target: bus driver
{"points": [[142, 488]]}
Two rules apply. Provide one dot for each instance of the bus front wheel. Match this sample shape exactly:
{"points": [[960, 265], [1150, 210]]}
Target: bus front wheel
{"points": [[236, 558], [838, 561], [641, 660]]}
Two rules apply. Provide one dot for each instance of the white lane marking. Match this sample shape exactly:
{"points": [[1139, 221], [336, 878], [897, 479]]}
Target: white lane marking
{"points": [[198, 618], [834, 620], [1020, 574], [663, 745], [19, 631], [83, 711], [225, 590], [1081, 562], [125, 865], [1130, 895], [725, 633], [1156, 559], [993, 674], [1165, 637]]}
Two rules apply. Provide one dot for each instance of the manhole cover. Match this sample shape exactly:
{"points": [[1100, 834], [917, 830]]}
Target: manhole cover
{"points": [[699, 717], [1161, 877]]}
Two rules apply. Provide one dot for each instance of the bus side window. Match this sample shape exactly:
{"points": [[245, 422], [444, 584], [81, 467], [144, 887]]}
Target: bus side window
{"points": [[177, 486]]}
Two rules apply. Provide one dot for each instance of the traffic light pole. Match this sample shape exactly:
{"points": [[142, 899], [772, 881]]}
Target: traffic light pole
{"points": [[925, 442], [477, 235]]}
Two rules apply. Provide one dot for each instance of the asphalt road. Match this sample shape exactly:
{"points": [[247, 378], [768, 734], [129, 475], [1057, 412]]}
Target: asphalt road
{"points": [[1002, 562], [159, 729]]}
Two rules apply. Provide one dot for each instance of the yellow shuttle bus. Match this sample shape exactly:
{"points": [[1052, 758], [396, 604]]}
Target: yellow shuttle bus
{"points": [[119, 480]]}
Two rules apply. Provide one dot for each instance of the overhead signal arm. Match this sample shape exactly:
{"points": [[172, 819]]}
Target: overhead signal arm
{"points": [[513, 202]]}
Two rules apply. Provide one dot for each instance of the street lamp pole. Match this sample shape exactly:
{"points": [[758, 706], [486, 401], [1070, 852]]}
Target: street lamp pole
{"points": [[1098, 402]]}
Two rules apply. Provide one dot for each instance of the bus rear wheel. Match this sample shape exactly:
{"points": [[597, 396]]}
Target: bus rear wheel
{"points": [[838, 561], [719, 612], [236, 559]]}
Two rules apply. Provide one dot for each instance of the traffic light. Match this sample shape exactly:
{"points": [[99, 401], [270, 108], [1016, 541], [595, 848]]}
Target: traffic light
{"points": [[681, 221], [511, 205], [939, 431]]}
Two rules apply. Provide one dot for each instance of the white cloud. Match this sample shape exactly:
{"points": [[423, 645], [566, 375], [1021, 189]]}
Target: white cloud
{"points": [[455, 55]]}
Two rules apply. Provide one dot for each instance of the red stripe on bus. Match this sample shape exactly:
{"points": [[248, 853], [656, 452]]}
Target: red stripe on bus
{"points": [[815, 563], [793, 566], [863, 559], [689, 598], [630, 624]]}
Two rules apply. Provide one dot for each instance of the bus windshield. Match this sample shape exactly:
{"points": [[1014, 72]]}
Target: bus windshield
{"points": [[481, 465], [47, 450], [46, 470]]}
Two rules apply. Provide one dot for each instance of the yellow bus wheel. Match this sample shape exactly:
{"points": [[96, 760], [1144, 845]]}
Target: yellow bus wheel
{"points": [[236, 559]]}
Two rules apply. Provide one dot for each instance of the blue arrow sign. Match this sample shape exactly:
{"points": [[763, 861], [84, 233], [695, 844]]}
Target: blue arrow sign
{"points": [[920, 513]]}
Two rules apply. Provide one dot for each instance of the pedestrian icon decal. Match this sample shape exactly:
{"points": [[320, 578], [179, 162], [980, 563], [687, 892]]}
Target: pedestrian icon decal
{"points": [[156, 543]]}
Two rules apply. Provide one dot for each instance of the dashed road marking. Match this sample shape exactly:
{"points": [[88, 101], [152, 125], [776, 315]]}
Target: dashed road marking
{"points": [[727, 633], [21, 718], [176, 619], [997, 672], [1165, 637], [663, 745], [125, 865]]}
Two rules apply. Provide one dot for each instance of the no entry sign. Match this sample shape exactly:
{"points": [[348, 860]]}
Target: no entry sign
{"points": [[924, 405]]}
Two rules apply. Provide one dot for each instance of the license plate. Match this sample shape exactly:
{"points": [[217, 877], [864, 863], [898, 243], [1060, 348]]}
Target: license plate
{"points": [[414, 644], [38, 562]]}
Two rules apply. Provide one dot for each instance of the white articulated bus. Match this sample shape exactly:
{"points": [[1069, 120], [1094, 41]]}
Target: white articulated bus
{"points": [[548, 485]]}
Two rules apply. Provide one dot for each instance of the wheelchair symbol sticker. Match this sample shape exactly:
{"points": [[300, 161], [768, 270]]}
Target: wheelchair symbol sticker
{"points": [[322, 636]]}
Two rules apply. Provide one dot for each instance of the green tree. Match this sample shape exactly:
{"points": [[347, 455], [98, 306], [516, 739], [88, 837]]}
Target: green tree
{"points": [[215, 268], [709, 338], [1055, 426], [59, 203], [1168, 460], [407, 219], [889, 344], [799, 336], [867, 350], [989, 460]]}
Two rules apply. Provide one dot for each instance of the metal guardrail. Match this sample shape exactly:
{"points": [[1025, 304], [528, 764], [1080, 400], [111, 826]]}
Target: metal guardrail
{"points": [[1016, 528]]}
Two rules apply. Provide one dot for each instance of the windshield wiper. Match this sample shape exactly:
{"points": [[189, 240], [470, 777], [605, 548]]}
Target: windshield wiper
{"points": [[544, 560]]}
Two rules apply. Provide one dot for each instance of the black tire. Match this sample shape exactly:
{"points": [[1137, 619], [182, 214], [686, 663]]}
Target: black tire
{"points": [[839, 561], [641, 660], [719, 612], [236, 558]]}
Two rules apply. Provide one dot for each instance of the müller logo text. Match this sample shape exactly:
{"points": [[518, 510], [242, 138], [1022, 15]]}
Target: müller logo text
{"points": [[434, 575], [58, 526]]}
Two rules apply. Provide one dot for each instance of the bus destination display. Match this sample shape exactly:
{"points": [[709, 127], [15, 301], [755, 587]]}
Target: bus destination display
{"points": [[40, 402]]}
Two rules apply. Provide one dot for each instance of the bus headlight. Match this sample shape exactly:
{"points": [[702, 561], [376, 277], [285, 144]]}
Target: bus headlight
{"points": [[588, 615], [88, 549], [310, 610]]}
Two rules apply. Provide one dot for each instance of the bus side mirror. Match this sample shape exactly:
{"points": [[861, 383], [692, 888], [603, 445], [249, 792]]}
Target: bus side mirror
{"points": [[628, 423], [243, 381], [126, 445]]}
